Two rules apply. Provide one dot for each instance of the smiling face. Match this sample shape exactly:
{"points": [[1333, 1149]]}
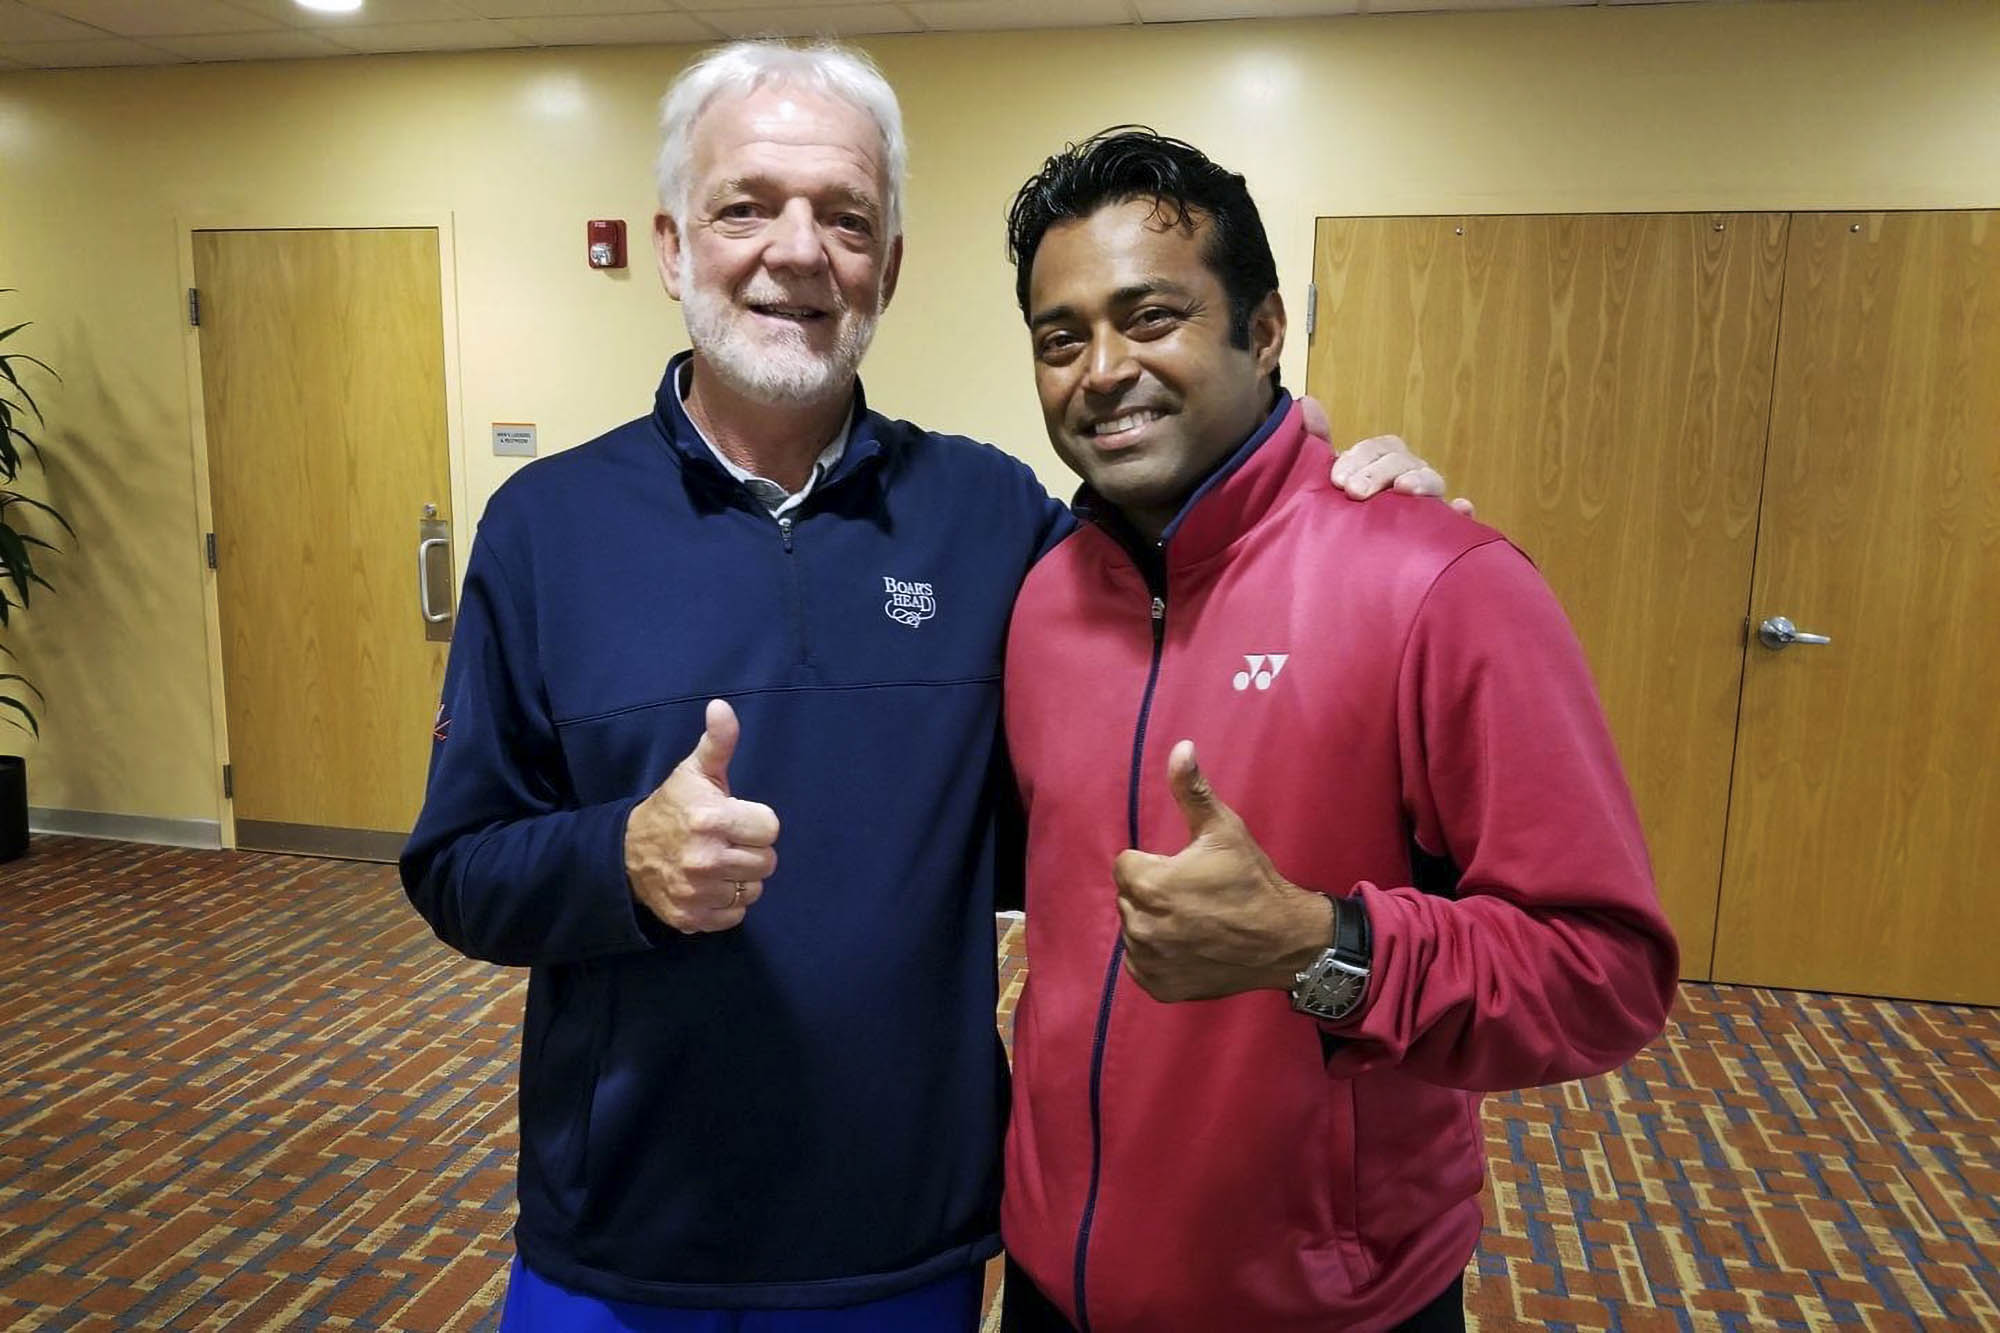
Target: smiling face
{"points": [[1142, 391], [782, 265]]}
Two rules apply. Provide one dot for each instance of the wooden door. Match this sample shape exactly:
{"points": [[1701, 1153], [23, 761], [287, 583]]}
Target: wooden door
{"points": [[322, 359], [1600, 386], [1865, 823]]}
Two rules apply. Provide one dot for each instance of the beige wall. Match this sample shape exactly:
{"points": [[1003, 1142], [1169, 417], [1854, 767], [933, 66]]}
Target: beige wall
{"points": [[1892, 104]]}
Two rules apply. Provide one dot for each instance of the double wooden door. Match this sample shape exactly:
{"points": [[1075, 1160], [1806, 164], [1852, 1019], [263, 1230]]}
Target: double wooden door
{"points": [[1697, 424], [322, 357]]}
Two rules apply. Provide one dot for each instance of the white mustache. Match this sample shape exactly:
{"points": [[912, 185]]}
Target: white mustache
{"points": [[762, 292]]}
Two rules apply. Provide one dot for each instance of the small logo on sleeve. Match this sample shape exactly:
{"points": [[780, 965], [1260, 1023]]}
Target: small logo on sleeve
{"points": [[1260, 669], [909, 603]]}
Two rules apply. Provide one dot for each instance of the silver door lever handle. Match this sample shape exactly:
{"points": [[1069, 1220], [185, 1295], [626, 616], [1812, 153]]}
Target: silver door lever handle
{"points": [[424, 549], [1779, 632]]}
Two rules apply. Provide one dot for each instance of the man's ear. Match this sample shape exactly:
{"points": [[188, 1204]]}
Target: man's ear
{"points": [[892, 269], [1267, 332], [667, 252]]}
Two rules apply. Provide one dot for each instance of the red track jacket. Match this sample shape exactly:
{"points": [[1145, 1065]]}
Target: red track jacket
{"points": [[1390, 696]]}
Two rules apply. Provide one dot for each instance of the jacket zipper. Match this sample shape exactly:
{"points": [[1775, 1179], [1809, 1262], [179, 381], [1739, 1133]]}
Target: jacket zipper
{"points": [[798, 601], [1159, 614]]}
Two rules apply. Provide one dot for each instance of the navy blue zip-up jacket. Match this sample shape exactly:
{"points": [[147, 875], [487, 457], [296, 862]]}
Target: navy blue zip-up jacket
{"points": [[807, 1110]]}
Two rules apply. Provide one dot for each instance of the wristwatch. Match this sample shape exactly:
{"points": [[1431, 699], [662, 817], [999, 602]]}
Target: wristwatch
{"points": [[1336, 982]]}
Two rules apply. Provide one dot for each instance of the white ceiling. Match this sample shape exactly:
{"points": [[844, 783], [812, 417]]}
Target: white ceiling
{"points": [[59, 34]]}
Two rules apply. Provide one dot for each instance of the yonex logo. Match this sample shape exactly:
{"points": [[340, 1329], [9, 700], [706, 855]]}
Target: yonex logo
{"points": [[1260, 670]]}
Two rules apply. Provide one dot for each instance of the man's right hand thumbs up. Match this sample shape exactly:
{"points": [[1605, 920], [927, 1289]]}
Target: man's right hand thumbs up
{"points": [[1215, 918], [717, 746], [697, 857]]}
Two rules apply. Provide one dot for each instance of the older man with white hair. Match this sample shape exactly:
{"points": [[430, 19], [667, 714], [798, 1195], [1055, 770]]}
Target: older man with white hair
{"points": [[749, 1099]]}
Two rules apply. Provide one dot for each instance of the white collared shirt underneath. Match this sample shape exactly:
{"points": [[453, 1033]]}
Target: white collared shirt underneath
{"points": [[769, 493]]}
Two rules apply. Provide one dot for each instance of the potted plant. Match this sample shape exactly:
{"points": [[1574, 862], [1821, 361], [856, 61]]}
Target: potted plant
{"points": [[18, 574]]}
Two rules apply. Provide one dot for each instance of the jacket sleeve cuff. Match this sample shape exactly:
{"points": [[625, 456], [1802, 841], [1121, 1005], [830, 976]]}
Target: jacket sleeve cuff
{"points": [[608, 875], [1346, 1042]]}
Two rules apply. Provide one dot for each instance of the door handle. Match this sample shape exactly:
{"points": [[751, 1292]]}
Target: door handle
{"points": [[424, 548], [1779, 633]]}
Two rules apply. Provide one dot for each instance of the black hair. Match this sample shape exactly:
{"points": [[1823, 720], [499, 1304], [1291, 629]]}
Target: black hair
{"points": [[1129, 162]]}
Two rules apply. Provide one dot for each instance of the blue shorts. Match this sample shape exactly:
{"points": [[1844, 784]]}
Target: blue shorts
{"points": [[537, 1305]]}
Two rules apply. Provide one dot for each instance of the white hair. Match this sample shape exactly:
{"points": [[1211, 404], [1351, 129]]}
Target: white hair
{"points": [[743, 67]]}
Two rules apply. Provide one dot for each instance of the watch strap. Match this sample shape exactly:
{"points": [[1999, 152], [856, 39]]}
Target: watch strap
{"points": [[1351, 941]]}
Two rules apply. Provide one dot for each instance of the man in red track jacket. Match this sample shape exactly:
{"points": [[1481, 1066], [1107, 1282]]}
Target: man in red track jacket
{"points": [[1326, 832]]}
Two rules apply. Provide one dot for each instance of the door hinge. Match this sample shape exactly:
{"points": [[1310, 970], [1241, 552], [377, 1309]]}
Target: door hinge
{"points": [[194, 307], [228, 781], [1312, 311], [209, 543]]}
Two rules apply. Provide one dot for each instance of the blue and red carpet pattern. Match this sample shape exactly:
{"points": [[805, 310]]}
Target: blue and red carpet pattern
{"points": [[241, 1091]]}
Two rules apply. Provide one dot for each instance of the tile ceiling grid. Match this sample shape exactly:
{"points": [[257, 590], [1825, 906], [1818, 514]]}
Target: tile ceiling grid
{"points": [[68, 33]]}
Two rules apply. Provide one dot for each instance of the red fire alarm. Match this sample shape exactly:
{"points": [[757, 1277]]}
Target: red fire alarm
{"points": [[606, 237]]}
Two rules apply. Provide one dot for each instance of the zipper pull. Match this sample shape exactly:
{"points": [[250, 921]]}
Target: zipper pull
{"points": [[785, 531], [1159, 609]]}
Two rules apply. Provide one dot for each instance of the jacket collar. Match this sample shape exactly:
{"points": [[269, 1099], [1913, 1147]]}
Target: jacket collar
{"points": [[683, 439], [1242, 489]]}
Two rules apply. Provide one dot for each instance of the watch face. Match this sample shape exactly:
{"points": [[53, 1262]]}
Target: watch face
{"points": [[1338, 994], [1330, 990]]}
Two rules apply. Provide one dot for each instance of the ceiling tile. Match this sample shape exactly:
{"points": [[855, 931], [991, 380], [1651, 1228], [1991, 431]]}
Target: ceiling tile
{"points": [[459, 35], [1419, 6], [83, 55], [373, 13], [1184, 11], [18, 23], [805, 20], [550, 9], [604, 29], [280, 45], [978, 15], [152, 18], [71, 32]]}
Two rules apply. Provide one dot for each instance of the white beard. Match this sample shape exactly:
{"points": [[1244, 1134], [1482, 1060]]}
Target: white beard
{"points": [[766, 362]]}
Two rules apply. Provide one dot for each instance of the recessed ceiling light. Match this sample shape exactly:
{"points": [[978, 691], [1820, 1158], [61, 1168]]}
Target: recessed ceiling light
{"points": [[329, 6]]}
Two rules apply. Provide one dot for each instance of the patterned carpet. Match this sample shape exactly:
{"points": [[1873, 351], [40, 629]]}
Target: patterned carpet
{"points": [[241, 1091]]}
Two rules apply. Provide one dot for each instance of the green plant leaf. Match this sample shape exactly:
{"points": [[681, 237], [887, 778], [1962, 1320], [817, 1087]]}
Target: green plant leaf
{"points": [[7, 373], [18, 548], [14, 554], [15, 675], [8, 498], [26, 439], [11, 357], [33, 726]]}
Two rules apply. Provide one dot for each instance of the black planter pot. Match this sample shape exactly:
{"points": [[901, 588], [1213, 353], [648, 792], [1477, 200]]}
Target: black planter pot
{"points": [[13, 807]]}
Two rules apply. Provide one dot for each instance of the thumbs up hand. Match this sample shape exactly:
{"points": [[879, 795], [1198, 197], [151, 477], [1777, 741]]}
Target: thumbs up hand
{"points": [[1215, 918], [695, 856]]}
